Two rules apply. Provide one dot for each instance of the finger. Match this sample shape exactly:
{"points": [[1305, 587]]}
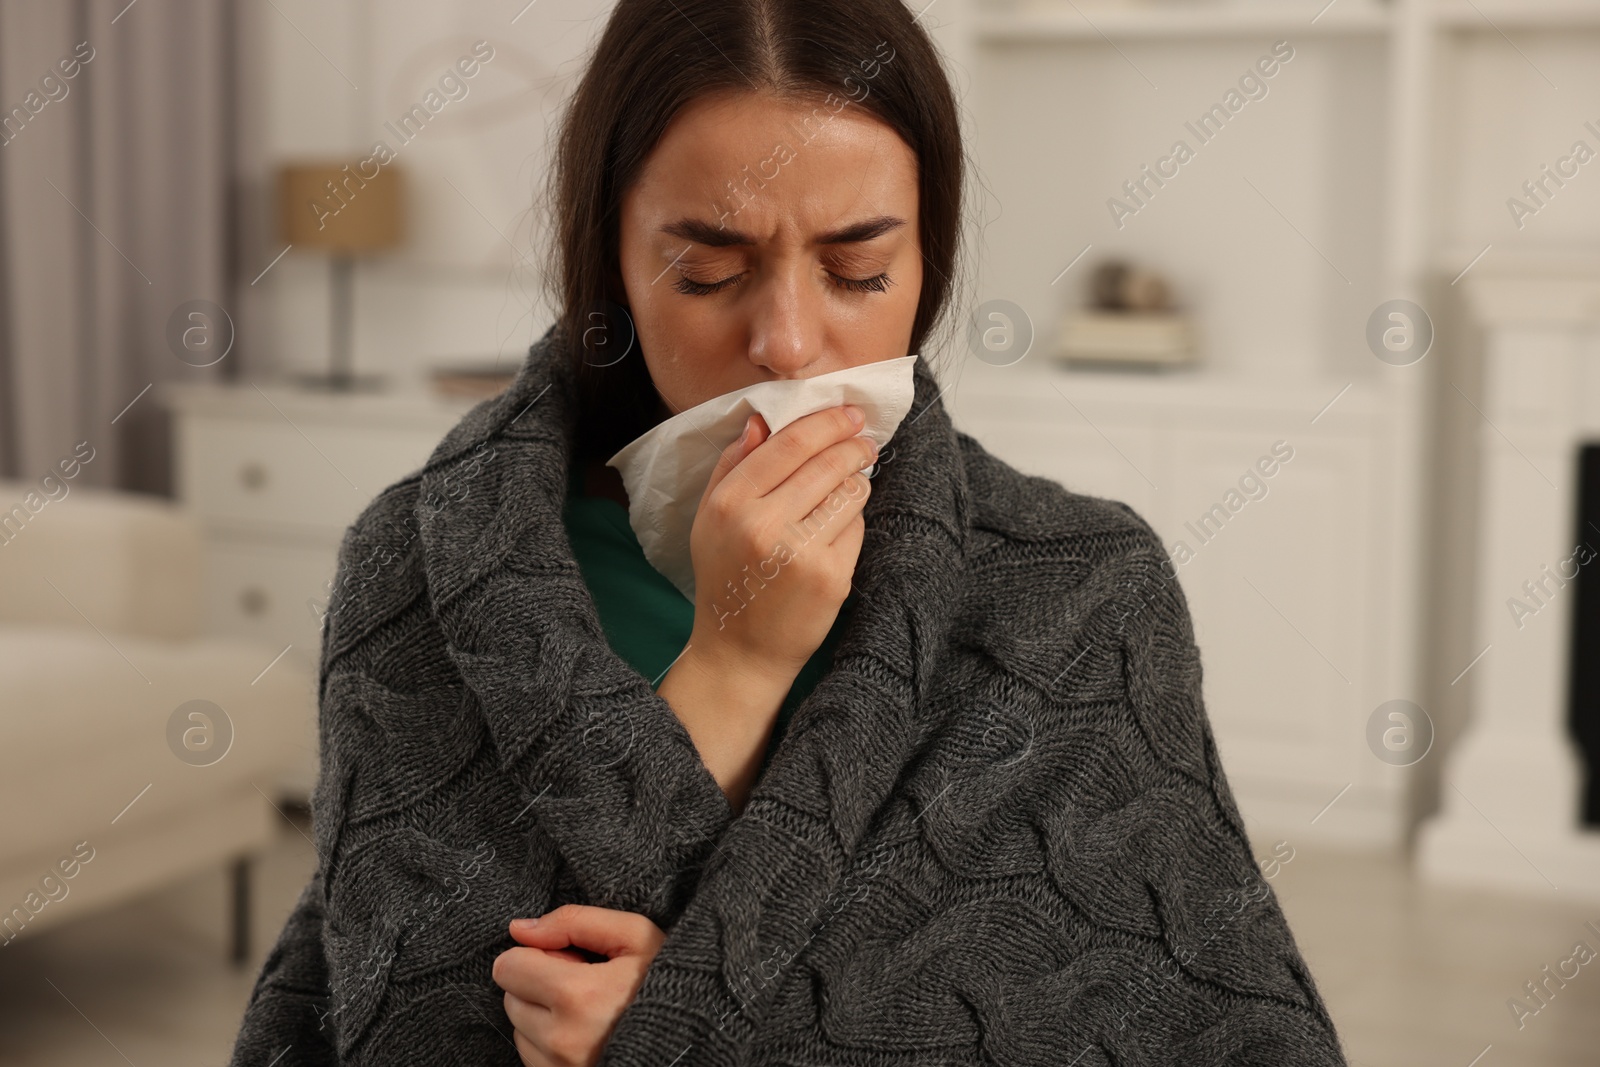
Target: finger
{"points": [[824, 474], [836, 511], [527, 1018], [530, 1051], [534, 974], [576, 955], [755, 432], [527, 932], [853, 493], [849, 539], [795, 444], [607, 931]]}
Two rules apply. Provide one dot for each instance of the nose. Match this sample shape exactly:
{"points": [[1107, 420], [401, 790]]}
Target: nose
{"points": [[786, 323]]}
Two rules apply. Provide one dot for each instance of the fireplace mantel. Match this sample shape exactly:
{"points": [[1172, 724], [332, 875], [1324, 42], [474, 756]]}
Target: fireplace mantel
{"points": [[1510, 788]]}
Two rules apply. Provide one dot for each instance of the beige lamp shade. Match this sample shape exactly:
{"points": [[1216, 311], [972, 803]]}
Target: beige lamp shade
{"points": [[335, 206]]}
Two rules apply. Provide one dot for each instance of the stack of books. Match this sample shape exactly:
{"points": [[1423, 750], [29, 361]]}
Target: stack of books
{"points": [[1126, 339]]}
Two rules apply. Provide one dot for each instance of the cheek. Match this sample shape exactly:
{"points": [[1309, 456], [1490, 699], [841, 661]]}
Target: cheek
{"points": [[682, 347], [660, 312], [882, 322], [658, 318]]}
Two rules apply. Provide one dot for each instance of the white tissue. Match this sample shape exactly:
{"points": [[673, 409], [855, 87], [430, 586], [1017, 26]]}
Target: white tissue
{"points": [[665, 470]]}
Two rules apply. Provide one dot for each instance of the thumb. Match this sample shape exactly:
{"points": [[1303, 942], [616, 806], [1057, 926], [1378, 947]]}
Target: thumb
{"points": [[755, 432], [606, 931]]}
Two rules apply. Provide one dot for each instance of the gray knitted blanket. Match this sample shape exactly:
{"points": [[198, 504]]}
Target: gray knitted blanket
{"points": [[997, 831]]}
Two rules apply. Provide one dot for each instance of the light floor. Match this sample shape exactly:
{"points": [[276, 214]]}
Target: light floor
{"points": [[1414, 975]]}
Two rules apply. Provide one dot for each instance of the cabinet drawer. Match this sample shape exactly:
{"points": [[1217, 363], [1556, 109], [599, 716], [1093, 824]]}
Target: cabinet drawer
{"points": [[268, 473], [269, 591]]}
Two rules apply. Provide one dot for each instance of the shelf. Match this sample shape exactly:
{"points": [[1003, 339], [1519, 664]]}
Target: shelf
{"points": [[401, 405], [1491, 16], [1558, 261], [1030, 21], [1093, 21], [1175, 391]]}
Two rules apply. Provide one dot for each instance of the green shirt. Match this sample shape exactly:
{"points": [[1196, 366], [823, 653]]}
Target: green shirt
{"points": [[645, 617]]}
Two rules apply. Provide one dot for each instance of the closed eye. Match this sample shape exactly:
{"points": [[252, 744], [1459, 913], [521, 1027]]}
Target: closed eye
{"points": [[876, 284], [693, 288]]}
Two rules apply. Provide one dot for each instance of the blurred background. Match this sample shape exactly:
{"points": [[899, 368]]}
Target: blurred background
{"points": [[1313, 285]]}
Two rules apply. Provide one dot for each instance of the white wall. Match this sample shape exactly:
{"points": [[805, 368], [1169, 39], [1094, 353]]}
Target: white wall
{"points": [[1063, 124], [466, 287], [1500, 121]]}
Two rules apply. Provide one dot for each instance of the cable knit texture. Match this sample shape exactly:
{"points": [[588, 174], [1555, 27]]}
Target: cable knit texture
{"points": [[997, 832]]}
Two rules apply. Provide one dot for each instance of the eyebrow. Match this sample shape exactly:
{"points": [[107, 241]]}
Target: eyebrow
{"points": [[702, 232]]}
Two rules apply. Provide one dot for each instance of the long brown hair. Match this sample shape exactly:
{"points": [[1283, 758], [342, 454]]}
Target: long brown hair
{"points": [[653, 58]]}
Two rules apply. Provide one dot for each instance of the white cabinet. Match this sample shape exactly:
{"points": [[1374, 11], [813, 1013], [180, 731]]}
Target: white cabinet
{"points": [[1299, 631], [271, 589], [276, 476]]}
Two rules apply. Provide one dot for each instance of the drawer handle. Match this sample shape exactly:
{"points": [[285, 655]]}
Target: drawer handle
{"points": [[253, 476], [253, 601]]}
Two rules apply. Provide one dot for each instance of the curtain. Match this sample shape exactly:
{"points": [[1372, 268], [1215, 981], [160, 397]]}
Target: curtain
{"points": [[116, 163]]}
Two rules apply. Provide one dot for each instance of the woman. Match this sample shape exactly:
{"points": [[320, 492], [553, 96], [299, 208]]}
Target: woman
{"points": [[944, 792]]}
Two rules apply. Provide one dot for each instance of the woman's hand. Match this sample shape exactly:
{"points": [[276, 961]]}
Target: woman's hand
{"points": [[781, 520], [775, 541], [562, 1007]]}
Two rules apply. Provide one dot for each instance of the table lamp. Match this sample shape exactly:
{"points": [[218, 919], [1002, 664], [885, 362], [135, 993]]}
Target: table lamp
{"points": [[337, 208]]}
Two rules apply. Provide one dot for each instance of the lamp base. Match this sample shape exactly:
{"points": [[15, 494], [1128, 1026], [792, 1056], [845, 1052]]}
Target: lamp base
{"points": [[341, 383]]}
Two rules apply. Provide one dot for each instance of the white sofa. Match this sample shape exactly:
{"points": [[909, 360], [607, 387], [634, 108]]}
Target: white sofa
{"points": [[102, 795]]}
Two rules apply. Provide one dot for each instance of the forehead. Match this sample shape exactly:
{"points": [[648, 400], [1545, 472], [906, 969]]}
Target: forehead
{"points": [[778, 164]]}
